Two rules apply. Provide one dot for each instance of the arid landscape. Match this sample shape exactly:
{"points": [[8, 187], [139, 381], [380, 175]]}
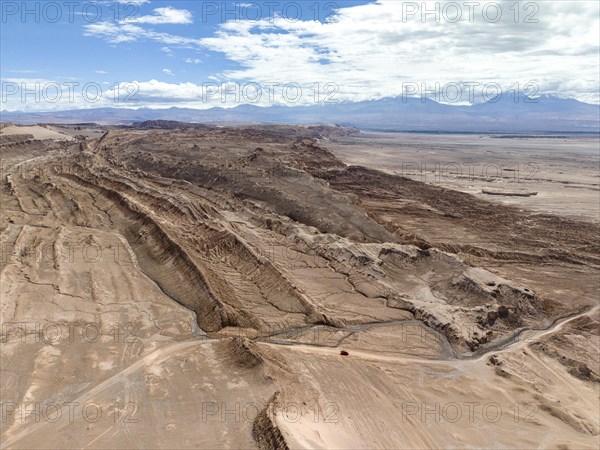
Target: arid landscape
{"points": [[173, 285], [544, 173]]}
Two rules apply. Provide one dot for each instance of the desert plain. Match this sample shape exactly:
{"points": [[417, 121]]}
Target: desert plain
{"points": [[171, 285]]}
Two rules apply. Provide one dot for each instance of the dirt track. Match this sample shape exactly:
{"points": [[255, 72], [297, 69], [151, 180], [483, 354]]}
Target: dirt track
{"points": [[245, 239]]}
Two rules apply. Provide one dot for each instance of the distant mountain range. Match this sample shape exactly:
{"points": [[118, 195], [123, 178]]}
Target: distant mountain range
{"points": [[505, 113]]}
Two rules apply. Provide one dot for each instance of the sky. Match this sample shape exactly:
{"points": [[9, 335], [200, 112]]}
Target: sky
{"points": [[58, 55]]}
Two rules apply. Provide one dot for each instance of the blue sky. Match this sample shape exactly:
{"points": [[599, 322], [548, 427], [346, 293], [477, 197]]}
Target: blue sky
{"points": [[61, 50], [173, 51]]}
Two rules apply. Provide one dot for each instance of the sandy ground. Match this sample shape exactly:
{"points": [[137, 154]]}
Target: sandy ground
{"points": [[195, 289], [36, 131], [564, 171]]}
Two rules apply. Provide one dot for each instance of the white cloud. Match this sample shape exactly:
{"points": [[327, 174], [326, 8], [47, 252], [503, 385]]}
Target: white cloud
{"points": [[133, 2], [166, 15], [113, 33], [28, 94], [38, 94], [119, 33], [370, 50], [101, 72], [168, 72], [28, 82], [159, 90]]}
